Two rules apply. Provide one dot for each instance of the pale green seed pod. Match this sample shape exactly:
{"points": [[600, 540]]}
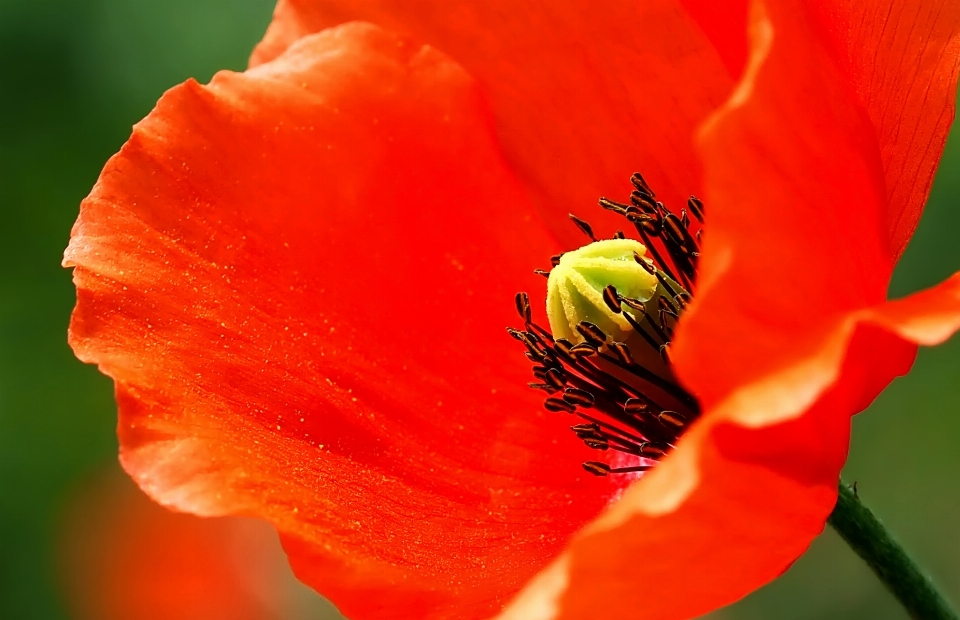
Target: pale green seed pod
{"points": [[575, 287]]}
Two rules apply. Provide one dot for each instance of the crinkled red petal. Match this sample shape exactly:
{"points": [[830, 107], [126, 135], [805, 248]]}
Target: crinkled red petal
{"points": [[900, 60], [799, 209], [788, 336], [812, 190], [582, 95], [299, 278]]}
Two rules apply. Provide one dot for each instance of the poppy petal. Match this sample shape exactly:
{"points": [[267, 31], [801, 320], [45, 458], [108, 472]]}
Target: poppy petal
{"points": [[738, 492], [794, 274], [797, 233], [901, 60], [299, 278], [725, 24], [582, 97]]}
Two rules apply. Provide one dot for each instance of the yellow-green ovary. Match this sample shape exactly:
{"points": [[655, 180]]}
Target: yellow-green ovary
{"points": [[575, 287]]}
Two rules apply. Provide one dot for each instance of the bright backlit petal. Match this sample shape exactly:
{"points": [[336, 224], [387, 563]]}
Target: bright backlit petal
{"points": [[582, 95], [299, 278], [788, 336]]}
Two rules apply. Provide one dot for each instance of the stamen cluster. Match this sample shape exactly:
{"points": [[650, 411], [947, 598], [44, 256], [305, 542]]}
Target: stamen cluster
{"points": [[623, 391]]}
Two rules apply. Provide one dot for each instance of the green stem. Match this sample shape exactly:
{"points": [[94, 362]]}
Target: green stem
{"points": [[884, 555]]}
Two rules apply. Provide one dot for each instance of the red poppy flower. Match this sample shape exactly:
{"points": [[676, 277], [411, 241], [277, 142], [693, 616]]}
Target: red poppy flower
{"points": [[124, 557], [299, 277]]}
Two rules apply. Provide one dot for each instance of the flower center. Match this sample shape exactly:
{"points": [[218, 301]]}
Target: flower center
{"points": [[612, 309]]}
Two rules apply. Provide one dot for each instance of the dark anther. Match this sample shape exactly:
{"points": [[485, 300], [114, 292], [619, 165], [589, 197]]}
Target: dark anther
{"points": [[591, 333], [541, 272], [653, 450], [602, 469], [612, 298], [583, 226], [635, 406], [546, 387], [656, 215], [597, 468], [619, 235], [558, 404], [576, 396], [636, 304], [526, 338], [555, 260], [597, 443], [535, 356], [650, 224], [679, 233], [583, 349], [682, 300], [555, 377], [529, 342], [696, 207], [684, 218], [622, 352], [611, 205], [671, 418], [640, 183], [523, 306], [536, 338], [590, 427], [563, 345], [689, 241], [643, 202], [643, 262]]}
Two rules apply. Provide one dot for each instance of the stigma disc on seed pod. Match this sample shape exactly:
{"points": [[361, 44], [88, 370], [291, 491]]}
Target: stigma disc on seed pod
{"points": [[576, 286]]}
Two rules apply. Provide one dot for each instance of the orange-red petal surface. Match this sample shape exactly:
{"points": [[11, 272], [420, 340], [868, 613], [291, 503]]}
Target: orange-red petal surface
{"points": [[788, 336], [299, 278], [900, 61], [582, 95]]}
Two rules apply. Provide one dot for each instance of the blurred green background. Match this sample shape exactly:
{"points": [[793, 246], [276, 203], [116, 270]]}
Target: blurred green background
{"points": [[76, 74]]}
